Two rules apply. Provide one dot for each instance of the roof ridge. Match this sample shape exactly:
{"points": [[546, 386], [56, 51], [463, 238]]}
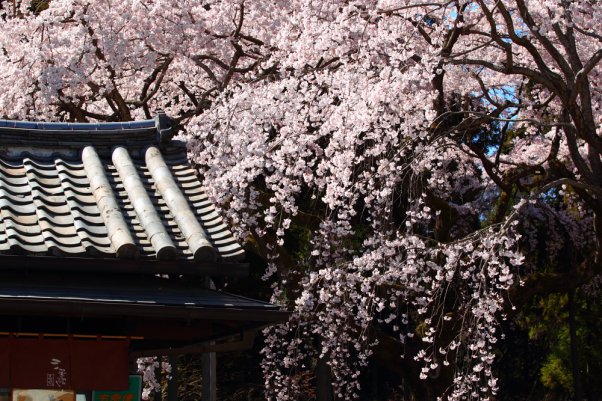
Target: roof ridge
{"points": [[158, 130]]}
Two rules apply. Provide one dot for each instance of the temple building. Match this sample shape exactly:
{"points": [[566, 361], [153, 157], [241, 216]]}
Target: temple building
{"points": [[108, 244]]}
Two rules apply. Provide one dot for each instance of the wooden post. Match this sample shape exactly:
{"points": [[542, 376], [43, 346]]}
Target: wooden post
{"points": [[208, 362], [209, 379]]}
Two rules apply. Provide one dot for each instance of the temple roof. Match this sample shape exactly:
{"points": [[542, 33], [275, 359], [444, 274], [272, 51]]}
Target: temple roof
{"points": [[105, 229], [105, 190]]}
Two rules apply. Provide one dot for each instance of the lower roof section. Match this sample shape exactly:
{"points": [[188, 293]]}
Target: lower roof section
{"points": [[87, 296]]}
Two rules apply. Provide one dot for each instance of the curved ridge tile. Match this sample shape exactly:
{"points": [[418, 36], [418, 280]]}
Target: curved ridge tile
{"points": [[208, 214], [58, 249], [29, 237], [89, 220], [191, 186], [33, 169], [36, 248], [16, 191], [178, 205], [86, 201], [13, 180], [231, 249], [39, 164], [71, 169], [8, 165], [225, 237], [109, 209], [129, 213], [200, 198], [15, 171], [218, 236], [142, 204], [13, 199], [84, 191], [47, 185], [94, 238], [20, 219], [61, 238], [25, 233], [24, 209], [77, 182], [217, 226], [54, 219], [101, 246], [56, 212]]}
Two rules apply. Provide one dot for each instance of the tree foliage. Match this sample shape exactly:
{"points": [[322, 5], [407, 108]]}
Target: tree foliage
{"points": [[415, 174]]}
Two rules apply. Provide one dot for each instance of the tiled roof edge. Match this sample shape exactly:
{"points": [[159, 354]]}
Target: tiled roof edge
{"points": [[159, 130]]}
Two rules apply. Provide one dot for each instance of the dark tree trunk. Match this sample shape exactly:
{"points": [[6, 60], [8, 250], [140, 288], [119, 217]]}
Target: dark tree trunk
{"points": [[172, 384], [323, 381], [158, 396]]}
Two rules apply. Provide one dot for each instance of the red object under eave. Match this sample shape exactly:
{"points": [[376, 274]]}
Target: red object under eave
{"points": [[81, 365]]}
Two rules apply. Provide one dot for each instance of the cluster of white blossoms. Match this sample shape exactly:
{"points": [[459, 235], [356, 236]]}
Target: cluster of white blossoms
{"points": [[149, 367], [358, 140]]}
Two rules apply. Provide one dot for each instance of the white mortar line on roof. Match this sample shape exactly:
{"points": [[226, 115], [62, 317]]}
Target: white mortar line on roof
{"points": [[178, 206], [105, 299], [117, 228], [145, 210]]}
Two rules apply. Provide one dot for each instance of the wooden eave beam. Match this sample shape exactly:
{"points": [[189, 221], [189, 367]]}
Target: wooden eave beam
{"points": [[79, 308], [240, 342]]}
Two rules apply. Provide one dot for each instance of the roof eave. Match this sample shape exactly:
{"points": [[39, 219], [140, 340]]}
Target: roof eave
{"points": [[122, 266]]}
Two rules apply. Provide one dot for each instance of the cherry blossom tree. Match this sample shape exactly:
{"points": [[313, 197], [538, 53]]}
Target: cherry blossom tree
{"points": [[442, 159]]}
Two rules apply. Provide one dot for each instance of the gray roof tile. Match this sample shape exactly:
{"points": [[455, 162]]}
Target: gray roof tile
{"points": [[54, 202]]}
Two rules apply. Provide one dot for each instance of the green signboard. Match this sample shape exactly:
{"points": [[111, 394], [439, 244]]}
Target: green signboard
{"points": [[134, 393]]}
